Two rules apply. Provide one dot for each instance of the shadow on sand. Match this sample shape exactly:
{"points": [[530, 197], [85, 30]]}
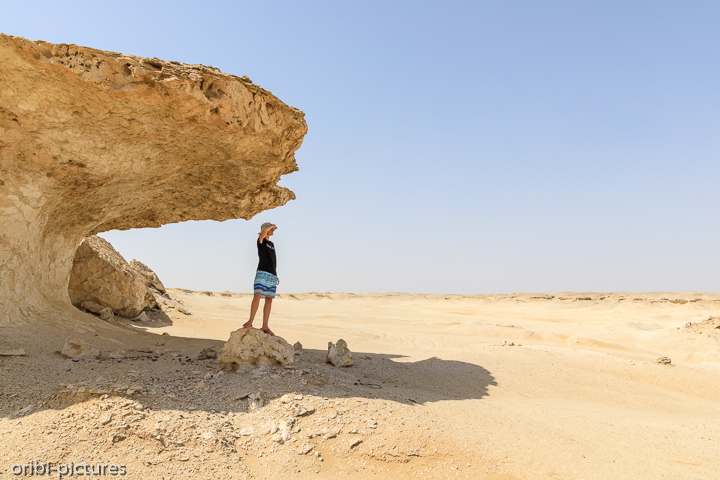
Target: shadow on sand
{"points": [[169, 376]]}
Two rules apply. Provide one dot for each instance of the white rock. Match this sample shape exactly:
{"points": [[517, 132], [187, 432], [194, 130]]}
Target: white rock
{"points": [[92, 306], [23, 411], [107, 314], [105, 418], [118, 354], [11, 352], [339, 354], [303, 410], [305, 449], [252, 346], [79, 349]]}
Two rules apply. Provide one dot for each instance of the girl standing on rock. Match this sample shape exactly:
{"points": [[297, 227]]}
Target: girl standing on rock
{"points": [[266, 279]]}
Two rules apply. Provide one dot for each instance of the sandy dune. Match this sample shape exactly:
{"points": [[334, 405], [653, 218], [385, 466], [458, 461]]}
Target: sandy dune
{"points": [[526, 386]]}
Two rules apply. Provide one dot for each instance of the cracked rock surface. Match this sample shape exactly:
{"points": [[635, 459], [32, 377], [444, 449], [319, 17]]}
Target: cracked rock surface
{"points": [[101, 276]]}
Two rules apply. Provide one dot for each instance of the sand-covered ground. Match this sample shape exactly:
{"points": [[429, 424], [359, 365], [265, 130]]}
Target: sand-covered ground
{"points": [[524, 386]]}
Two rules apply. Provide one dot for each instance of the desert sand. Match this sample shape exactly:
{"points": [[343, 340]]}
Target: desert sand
{"points": [[522, 386]]}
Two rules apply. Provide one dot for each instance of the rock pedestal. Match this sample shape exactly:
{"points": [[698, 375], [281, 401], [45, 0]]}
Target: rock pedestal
{"points": [[250, 346]]}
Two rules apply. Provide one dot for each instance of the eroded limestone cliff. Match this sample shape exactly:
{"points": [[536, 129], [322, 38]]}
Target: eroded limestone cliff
{"points": [[92, 141]]}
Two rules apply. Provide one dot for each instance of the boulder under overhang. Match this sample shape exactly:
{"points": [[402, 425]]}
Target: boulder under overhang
{"points": [[92, 141]]}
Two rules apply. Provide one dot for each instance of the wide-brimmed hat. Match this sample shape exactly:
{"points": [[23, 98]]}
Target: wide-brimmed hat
{"points": [[266, 225]]}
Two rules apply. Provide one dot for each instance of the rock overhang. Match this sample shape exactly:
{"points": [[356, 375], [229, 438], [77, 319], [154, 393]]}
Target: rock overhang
{"points": [[92, 141]]}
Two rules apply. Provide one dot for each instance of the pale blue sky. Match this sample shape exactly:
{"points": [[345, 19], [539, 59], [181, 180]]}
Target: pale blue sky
{"points": [[453, 147]]}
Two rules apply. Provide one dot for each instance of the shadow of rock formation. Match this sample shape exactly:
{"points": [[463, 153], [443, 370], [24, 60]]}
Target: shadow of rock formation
{"points": [[161, 402], [95, 141], [163, 378]]}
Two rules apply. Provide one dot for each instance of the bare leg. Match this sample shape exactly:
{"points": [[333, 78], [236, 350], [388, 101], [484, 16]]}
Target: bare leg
{"points": [[253, 309], [266, 316]]}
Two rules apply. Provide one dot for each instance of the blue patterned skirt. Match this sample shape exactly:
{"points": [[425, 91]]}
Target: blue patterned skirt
{"points": [[265, 284]]}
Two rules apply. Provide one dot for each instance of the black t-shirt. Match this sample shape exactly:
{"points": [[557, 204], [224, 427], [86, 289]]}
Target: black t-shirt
{"points": [[266, 253]]}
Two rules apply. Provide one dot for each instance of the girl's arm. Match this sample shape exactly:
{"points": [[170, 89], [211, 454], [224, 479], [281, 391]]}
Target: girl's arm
{"points": [[264, 234]]}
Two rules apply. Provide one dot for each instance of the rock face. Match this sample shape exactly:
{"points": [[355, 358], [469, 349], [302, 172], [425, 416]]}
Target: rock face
{"points": [[149, 277], [101, 276], [92, 141], [252, 346], [339, 354]]}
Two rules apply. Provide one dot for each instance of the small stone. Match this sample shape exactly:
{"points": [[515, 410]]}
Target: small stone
{"points": [[134, 388], [298, 348], [79, 350], [356, 442], [118, 354], [664, 361], [255, 401], [305, 449], [107, 314], [92, 307], [12, 352], [207, 354], [303, 410], [144, 318], [105, 418], [23, 411], [248, 431]]}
